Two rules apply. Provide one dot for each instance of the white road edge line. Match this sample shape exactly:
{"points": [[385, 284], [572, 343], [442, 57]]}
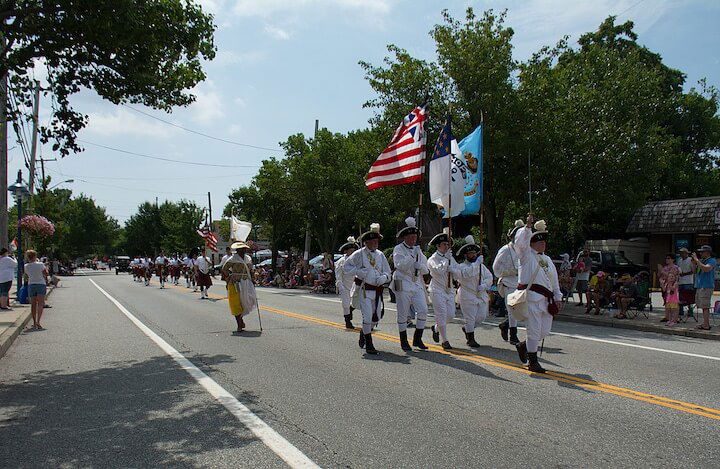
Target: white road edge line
{"points": [[272, 439], [563, 334]]}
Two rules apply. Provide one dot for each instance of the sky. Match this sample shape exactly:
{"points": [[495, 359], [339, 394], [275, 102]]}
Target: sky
{"points": [[281, 64]]}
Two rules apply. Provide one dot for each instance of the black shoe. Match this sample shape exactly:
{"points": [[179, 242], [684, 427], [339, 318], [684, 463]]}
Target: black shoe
{"points": [[446, 345], [351, 311], [404, 344], [361, 342], [522, 352], [513, 336], [369, 348], [348, 324], [504, 326], [417, 339], [435, 334], [471, 340], [533, 364]]}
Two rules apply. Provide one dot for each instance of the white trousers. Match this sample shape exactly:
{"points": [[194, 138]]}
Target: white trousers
{"points": [[538, 324], [344, 299], [367, 308], [474, 311], [415, 297], [512, 322], [444, 308]]}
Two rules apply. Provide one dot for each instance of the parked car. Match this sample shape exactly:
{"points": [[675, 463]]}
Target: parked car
{"points": [[318, 260], [612, 262], [122, 264]]}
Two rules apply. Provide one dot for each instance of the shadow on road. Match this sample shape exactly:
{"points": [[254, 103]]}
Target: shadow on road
{"points": [[459, 364], [130, 414]]}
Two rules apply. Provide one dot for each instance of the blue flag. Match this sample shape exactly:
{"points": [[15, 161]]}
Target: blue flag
{"points": [[471, 151]]}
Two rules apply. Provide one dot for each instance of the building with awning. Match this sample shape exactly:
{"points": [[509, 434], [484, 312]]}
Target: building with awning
{"points": [[673, 224]]}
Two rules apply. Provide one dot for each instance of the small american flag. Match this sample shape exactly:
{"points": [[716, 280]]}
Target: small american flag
{"points": [[403, 161], [210, 238]]}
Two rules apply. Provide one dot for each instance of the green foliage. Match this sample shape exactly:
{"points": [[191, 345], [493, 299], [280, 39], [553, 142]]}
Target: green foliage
{"points": [[147, 52], [170, 228]]}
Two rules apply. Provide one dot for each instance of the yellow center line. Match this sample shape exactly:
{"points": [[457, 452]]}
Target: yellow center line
{"points": [[553, 375]]}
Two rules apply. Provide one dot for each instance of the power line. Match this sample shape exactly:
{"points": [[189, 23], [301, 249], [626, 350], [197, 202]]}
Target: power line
{"points": [[629, 8], [170, 160], [141, 190], [201, 133]]}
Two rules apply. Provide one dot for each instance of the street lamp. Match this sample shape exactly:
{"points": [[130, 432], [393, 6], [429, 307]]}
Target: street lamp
{"points": [[64, 182], [21, 194]]}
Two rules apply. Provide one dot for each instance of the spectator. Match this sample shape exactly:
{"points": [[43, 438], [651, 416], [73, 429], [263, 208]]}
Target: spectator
{"points": [[704, 283], [7, 271], [669, 277], [36, 275], [583, 268], [626, 295], [599, 291], [686, 282], [565, 276]]}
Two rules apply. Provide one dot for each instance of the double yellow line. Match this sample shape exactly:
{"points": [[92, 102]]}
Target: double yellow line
{"points": [[554, 375]]}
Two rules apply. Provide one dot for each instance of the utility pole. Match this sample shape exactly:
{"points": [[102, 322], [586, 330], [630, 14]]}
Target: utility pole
{"points": [[3, 151], [43, 185], [33, 149], [210, 213], [307, 226]]}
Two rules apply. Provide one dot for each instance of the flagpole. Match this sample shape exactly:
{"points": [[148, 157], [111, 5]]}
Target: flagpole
{"points": [[529, 181], [482, 198], [449, 207]]}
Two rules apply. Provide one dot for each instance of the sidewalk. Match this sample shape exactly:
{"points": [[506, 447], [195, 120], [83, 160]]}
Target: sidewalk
{"points": [[13, 322]]}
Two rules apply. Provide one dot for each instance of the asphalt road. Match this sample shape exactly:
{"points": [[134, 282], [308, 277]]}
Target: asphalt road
{"points": [[94, 390]]}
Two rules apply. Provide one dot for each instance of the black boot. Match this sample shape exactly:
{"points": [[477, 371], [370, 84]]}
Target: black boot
{"points": [[446, 345], [404, 342], [436, 334], [522, 352], [351, 311], [369, 348], [417, 339], [533, 364], [513, 336], [504, 326], [348, 324], [471, 340], [361, 342]]}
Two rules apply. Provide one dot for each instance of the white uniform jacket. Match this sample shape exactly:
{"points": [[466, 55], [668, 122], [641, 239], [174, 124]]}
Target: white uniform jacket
{"points": [[530, 260], [410, 266], [506, 266], [472, 285], [343, 279], [370, 267], [439, 266]]}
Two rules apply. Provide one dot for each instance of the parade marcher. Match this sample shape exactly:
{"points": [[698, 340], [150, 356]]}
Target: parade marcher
{"points": [[228, 255], [408, 284], [189, 269], [175, 269], [202, 272], [505, 267], [345, 282], [147, 269], [475, 282], [443, 268], [238, 274], [161, 268], [538, 275], [372, 273]]}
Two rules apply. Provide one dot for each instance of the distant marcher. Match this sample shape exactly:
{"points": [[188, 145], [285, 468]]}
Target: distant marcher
{"points": [[704, 283], [203, 266], [237, 272], [687, 281], [36, 274], [583, 268], [669, 277], [7, 271]]}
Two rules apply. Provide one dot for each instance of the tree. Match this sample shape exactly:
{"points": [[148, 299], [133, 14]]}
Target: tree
{"points": [[145, 52], [170, 227], [90, 231]]}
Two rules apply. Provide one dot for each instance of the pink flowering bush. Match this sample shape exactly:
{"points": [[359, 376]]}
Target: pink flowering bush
{"points": [[37, 225]]}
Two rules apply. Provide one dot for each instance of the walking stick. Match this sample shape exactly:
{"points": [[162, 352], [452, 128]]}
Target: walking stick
{"points": [[542, 346], [258, 310]]}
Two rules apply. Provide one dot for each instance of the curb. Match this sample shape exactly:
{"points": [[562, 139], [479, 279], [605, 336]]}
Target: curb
{"points": [[8, 337], [697, 334]]}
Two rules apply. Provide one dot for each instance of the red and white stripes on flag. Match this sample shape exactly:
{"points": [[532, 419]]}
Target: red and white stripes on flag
{"points": [[210, 238], [403, 161]]}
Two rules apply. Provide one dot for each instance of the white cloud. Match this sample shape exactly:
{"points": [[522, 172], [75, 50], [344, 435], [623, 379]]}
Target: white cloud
{"points": [[277, 32], [207, 106], [240, 102], [234, 129], [267, 8], [229, 57], [121, 121]]}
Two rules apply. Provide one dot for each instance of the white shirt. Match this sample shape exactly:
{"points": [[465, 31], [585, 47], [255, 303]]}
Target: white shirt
{"points": [[507, 265], [439, 265], [360, 265], [475, 280], [410, 264], [188, 262], [343, 278], [34, 271], [173, 261], [7, 269], [203, 264], [160, 260], [225, 259], [686, 265], [531, 261]]}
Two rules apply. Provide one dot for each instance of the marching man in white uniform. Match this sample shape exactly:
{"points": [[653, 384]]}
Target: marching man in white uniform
{"points": [[539, 276], [408, 284], [475, 282], [505, 268], [442, 268], [345, 281], [372, 273]]}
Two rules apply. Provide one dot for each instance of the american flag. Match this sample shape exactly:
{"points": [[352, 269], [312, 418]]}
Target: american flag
{"points": [[403, 161], [210, 238]]}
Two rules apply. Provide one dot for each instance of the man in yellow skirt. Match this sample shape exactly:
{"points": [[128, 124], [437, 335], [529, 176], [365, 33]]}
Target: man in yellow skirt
{"points": [[238, 274]]}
